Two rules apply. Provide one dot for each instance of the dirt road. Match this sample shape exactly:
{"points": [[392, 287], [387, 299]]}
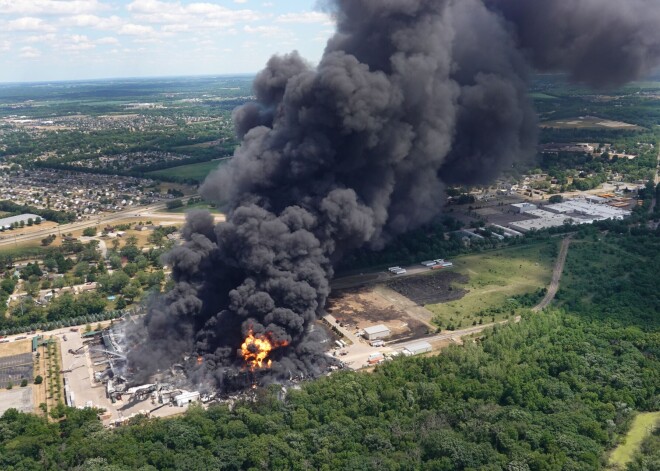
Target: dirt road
{"points": [[556, 276]]}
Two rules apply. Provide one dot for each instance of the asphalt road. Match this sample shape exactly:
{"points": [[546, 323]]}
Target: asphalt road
{"points": [[78, 225]]}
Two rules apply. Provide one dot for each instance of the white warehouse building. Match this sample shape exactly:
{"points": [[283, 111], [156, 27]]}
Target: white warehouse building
{"points": [[417, 348], [186, 398], [376, 332], [5, 223]]}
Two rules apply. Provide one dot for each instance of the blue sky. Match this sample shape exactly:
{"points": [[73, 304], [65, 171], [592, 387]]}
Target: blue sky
{"points": [[42, 40]]}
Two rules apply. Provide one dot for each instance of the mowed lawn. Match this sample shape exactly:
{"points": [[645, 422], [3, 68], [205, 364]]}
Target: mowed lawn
{"points": [[642, 425], [193, 171], [494, 277], [201, 205]]}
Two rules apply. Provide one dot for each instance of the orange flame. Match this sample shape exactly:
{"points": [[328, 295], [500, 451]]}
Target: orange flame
{"points": [[255, 350]]}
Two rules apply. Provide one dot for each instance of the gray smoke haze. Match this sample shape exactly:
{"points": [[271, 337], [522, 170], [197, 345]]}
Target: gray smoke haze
{"points": [[602, 43], [410, 95]]}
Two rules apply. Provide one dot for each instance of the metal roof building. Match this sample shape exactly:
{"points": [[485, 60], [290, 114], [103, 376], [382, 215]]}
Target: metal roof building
{"points": [[417, 348], [8, 221], [377, 332]]}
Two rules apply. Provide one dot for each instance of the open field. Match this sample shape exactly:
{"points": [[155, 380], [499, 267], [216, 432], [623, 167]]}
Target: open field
{"points": [[589, 122], [643, 424], [494, 278], [364, 307], [434, 287], [193, 171], [201, 205]]}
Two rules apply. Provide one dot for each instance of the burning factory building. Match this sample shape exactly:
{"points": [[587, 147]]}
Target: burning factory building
{"points": [[410, 96]]}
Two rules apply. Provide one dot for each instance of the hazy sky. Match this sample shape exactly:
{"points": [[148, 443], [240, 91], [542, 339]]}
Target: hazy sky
{"points": [[81, 39]]}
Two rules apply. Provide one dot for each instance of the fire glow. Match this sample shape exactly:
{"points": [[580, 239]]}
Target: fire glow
{"points": [[255, 350]]}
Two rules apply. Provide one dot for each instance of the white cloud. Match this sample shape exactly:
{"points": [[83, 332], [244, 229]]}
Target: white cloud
{"points": [[175, 28], [131, 29], [196, 15], [29, 23], [268, 31], [92, 21], [49, 7], [40, 38], [305, 17], [76, 43], [5, 46], [29, 52], [240, 1], [107, 40]]}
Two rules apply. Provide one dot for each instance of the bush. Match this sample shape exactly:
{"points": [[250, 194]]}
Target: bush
{"points": [[24, 382], [89, 232], [38, 379]]}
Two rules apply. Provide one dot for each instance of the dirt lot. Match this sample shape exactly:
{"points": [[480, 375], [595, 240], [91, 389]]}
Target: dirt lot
{"points": [[15, 348], [363, 307], [17, 398], [436, 287]]}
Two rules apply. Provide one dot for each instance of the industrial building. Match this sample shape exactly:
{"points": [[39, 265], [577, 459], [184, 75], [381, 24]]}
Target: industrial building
{"points": [[522, 208], [376, 332], [544, 219], [6, 223], [186, 398], [417, 348], [597, 211], [575, 211]]}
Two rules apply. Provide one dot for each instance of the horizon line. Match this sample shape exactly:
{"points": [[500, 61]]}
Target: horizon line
{"points": [[137, 77]]}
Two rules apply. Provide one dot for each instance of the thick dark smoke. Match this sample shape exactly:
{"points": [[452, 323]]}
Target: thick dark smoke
{"points": [[599, 42], [410, 95]]}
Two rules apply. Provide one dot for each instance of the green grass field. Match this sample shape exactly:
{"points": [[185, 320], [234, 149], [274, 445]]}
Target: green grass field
{"points": [[641, 427], [200, 205], [494, 278], [193, 171], [24, 250]]}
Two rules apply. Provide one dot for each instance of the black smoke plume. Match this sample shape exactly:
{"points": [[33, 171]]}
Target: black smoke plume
{"points": [[410, 95]]}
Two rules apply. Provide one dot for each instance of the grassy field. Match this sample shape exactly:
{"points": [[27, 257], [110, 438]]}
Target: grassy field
{"points": [[193, 171], [589, 122], [640, 428], [26, 250], [494, 278], [201, 205]]}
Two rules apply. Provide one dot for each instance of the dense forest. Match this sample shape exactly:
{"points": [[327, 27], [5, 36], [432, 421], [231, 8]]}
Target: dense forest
{"points": [[553, 392]]}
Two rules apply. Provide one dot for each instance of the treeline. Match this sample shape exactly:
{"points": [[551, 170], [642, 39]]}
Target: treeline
{"points": [[437, 240], [537, 395], [614, 277], [48, 214], [648, 456]]}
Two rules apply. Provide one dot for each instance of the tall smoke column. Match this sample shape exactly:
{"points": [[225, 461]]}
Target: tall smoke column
{"points": [[410, 95]]}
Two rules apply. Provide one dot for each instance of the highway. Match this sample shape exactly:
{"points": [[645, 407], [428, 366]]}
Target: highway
{"points": [[79, 225]]}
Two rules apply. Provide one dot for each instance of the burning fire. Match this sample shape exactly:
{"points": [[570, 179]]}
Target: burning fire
{"points": [[255, 350]]}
